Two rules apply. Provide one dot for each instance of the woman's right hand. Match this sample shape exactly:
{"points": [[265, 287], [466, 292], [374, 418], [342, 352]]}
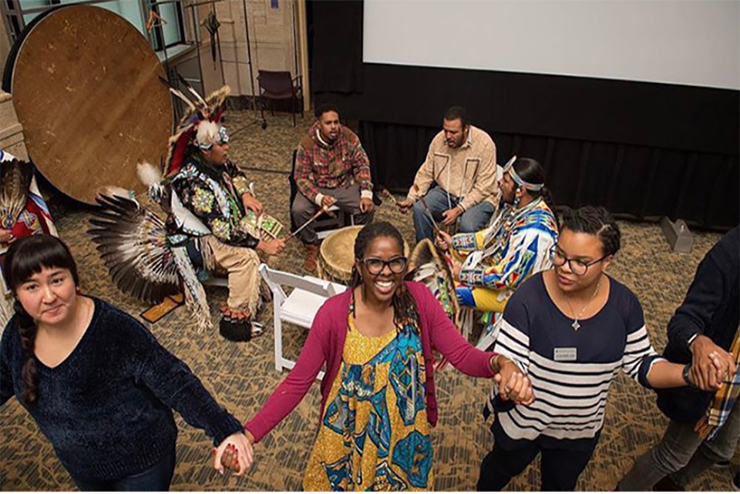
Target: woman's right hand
{"points": [[513, 384]]}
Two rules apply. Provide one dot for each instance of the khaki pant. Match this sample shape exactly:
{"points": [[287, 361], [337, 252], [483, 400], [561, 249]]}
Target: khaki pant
{"points": [[242, 266]]}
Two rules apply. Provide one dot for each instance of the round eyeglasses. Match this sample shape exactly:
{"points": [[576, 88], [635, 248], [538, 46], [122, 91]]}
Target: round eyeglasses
{"points": [[397, 265], [577, 266]]}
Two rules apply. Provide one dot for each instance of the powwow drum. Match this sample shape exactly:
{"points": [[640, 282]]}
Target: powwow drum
{"points": [[337, 255], [86, 88]]}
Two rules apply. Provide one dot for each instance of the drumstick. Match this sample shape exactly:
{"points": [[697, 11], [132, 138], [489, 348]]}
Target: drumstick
{"points": [[385, 192], [313, 218], [434, 223]]}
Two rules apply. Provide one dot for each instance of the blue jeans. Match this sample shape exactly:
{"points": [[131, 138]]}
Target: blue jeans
{"points": [[472, 220], [156, 478], [683, 455]]}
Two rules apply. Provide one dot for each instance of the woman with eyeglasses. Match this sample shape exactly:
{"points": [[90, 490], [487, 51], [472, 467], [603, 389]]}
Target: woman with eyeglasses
{"points": [[378, 399], [570, 330]]}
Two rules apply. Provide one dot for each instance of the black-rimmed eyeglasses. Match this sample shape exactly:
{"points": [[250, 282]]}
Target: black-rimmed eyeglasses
{"points": [[374, 266], [577, 266]]}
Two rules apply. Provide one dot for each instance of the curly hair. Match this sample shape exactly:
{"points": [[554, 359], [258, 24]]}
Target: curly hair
{"points": [[27, 257], [404, 308], [594, 221]]}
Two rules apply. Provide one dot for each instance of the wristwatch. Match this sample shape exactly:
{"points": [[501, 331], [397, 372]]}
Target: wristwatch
{"points": [[685, 375]]}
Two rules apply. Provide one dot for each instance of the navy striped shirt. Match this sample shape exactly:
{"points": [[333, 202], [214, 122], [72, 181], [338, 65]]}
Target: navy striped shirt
{"points": [[570, 370]]}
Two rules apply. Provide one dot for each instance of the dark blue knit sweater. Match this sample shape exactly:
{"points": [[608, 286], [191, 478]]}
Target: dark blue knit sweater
{"points": [[710, 308], [107, 408]]}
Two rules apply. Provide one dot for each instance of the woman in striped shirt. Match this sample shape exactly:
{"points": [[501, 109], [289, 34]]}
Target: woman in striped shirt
{"points": [[571, 329]]}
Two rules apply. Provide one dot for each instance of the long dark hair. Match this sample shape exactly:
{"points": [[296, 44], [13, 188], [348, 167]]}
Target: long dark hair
{"points": [[530, 170], [404, 308], [26, 257]]}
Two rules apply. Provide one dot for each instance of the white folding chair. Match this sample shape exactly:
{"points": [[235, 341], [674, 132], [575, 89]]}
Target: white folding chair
{"points": [[298, 308]]}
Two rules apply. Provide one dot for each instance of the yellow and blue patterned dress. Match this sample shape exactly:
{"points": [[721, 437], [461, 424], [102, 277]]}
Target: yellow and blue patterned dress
{"points": [[374, 434]]}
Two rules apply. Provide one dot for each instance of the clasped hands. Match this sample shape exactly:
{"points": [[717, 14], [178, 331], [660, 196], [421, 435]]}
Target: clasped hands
{"points": [[235, 453], [512, 383], [711, 365]]}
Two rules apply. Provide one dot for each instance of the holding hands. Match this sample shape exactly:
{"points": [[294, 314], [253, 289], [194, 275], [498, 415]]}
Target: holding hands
{"points": [[512, 383], [235, 453], [711, 365]]}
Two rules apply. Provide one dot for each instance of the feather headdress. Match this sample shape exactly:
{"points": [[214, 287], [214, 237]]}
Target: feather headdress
{"points": [[198, 110], [15, 179]]}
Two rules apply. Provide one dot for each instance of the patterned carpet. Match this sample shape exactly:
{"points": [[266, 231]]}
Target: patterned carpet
{"points": [[242, 375]]}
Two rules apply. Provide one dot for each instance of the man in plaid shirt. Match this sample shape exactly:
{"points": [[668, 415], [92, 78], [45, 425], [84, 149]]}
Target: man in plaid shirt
{"points": [[701, 335], [331, 169]]}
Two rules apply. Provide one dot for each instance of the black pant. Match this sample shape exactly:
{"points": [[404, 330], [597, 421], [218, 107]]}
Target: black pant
{"points": [[154, 478], [560, 467]]}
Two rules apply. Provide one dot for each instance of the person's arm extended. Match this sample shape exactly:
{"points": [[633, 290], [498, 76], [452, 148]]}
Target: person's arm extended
{"points": [[296, 384], [172, 382], [447, 339], [664, 374]]}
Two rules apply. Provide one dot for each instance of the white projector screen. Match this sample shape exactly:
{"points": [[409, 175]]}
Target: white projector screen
{"points": [[689, 42]]}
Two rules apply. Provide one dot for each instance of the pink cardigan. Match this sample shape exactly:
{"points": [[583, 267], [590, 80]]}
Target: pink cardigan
{"points": [[325, 343]]}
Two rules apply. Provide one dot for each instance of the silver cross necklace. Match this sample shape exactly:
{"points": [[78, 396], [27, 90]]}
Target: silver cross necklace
{"points": [[576, 325]]}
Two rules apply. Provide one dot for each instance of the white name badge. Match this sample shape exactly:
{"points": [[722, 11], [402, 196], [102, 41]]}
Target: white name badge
{"points": [[566, 354]]}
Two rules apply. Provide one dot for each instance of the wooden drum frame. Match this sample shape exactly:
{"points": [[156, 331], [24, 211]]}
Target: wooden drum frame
{"points": [[86, 88]]}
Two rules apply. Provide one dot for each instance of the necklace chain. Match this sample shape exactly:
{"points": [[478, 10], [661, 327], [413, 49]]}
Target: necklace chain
{"points": [[576, 325]]}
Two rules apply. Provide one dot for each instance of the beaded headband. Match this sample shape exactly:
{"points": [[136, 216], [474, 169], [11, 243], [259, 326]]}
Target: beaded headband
{"points": [[521, 182]]}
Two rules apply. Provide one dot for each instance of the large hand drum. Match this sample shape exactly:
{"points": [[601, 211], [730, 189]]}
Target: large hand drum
{"points": [[337, 255], [86, 88]]}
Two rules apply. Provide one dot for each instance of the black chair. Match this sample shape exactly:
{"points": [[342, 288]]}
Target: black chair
{"points": [[278, 85]]}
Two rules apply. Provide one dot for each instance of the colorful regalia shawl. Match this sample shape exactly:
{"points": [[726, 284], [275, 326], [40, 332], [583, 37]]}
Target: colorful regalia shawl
{"points": [[515, 246]]}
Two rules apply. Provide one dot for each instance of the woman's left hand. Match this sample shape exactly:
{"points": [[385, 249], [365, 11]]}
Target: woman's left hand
{"points": [[237, 450]]}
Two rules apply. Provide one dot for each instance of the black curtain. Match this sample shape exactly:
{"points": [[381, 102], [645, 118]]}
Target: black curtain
{"points": [[644, 150], [638, 182], [337, 46]]}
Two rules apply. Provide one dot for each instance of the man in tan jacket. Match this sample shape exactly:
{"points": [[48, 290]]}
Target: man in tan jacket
{"points": [[457, 180]]}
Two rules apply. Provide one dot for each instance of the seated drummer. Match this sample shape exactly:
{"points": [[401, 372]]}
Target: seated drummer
{"points": [[214, 189], [492, 263], [331, 169], [461, 161]]}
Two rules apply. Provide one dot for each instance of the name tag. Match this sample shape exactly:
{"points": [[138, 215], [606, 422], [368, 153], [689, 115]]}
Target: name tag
{"points": [[565, 354]]}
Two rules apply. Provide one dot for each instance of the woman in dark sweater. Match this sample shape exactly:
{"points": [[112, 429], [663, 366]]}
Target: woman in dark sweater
{"points": [[97, 382]]}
